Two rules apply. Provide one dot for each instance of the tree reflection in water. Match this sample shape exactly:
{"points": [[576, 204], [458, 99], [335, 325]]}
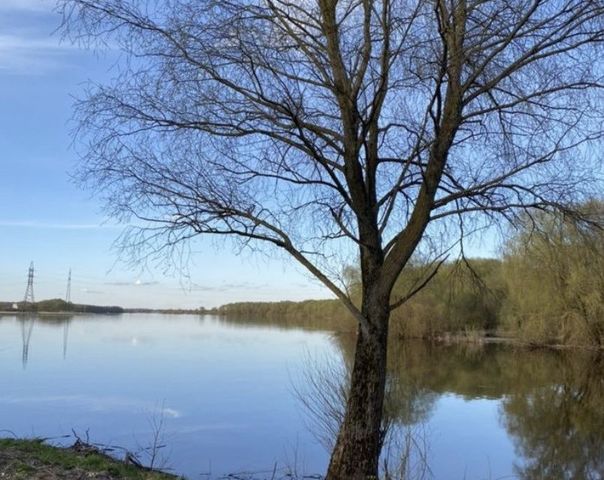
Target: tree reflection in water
{"points": [[558, 425], [322, 394], [552, 402]]}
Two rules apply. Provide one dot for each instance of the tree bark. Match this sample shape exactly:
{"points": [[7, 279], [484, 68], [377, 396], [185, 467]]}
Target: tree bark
{"points": [[357, 450]]}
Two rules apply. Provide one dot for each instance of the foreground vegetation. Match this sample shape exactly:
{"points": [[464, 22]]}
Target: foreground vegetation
{"points": [[547, 289], [35, 460]]}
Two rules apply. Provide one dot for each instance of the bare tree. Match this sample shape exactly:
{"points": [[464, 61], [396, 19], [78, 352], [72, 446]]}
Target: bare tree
{"points": [[325, 126]]}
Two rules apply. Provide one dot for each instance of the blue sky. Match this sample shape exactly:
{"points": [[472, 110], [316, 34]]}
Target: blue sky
{"points": [[47, 219]]}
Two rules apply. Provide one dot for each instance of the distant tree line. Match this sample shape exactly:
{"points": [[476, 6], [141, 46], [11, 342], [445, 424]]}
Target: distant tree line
{"points": [[57, 305], [308, 314], [548, 288]]}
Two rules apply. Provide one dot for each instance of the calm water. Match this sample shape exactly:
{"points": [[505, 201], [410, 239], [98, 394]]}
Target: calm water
{"points": [[226, 391]]}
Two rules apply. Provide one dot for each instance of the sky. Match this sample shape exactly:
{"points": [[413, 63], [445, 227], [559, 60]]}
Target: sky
{"points": [[46, 218]]}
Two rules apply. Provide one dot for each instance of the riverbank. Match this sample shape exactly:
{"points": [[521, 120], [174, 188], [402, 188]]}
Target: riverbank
{"points": [[35, 460], [340, 325]]}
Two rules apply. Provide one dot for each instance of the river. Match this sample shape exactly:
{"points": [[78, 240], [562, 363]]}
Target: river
{"points": [[225, 396]]}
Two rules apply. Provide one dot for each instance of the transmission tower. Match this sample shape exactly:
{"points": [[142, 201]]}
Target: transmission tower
{"points": [[68, 293], [29, 291]]}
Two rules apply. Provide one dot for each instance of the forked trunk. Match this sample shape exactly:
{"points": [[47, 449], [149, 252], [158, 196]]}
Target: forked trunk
{"points": [[357, 450]]}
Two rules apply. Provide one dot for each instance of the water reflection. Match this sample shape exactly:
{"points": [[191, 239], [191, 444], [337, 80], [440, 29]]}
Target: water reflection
{"points": [[535, 414], [27, 328], [27, 324], [551, 403], [65, 338], [558, 426]]}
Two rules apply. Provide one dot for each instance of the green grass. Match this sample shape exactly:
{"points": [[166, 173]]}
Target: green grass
{"points": [[21, 458]]}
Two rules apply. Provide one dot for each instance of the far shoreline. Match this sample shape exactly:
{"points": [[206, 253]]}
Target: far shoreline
{"points": [[478, 338]]}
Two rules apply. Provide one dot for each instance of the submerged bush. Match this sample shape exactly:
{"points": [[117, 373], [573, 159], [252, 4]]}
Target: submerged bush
{"points": [[554, 271], [464, 296]]}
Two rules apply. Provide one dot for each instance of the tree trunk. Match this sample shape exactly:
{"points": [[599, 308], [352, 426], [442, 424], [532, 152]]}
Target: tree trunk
{"points": [[357, 450]]}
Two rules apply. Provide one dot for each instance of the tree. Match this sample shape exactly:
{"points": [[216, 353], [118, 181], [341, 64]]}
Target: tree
{"points": [[325, 126]]}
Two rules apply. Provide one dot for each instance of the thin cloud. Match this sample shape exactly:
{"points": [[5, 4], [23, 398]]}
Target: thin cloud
{"points": [[54, 226], [226, 287], [9, 43], [32, 55], [135, 283], [91, 292], [140, 283], [27, 5]]}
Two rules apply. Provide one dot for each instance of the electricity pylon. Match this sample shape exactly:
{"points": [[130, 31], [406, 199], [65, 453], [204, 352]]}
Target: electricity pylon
{"points": [[29, 291], [68, 293]]}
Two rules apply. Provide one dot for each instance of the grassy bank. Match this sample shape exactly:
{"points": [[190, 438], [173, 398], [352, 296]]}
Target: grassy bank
{"points": [[36, 460]]}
